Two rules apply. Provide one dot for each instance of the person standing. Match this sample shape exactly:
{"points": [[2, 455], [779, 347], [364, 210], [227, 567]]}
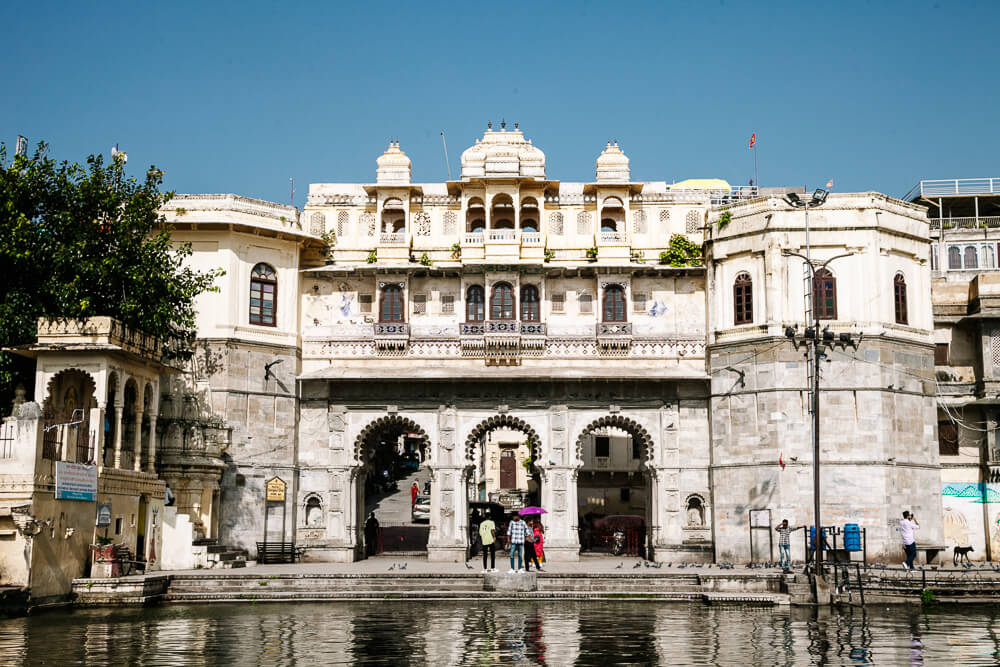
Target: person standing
{"points": [[488, 538], [516, 531], [414, 490], [531, 552], [785, 543], [906, 529], [371, 535]]}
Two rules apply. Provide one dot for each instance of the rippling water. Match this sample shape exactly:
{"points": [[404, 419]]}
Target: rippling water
{"points": [[470, 633]]}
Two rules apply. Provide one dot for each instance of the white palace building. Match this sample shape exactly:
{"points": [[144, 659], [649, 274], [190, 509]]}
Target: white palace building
{"points": [[505, 301]]}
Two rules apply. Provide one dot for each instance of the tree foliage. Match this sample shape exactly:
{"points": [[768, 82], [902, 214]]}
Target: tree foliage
{"points": [[80, 241], [681, 252]]}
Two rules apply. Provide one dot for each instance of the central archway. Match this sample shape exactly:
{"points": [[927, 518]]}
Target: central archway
{"points": [[615, 492]]}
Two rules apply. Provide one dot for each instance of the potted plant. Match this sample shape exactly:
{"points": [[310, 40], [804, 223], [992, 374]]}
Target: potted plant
{"points": [[549, 255], [456, 251], [591, 254]]}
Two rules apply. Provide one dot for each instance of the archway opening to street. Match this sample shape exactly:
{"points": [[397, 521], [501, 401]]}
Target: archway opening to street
{"points": [[614, 492], [393, 483], [503, 479]]}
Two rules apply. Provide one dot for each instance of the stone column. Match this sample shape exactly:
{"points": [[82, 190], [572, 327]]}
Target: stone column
{"points": [[97, 429], [137, 442], [449, 537], [562, 538], [151, 463], [118, 434]]}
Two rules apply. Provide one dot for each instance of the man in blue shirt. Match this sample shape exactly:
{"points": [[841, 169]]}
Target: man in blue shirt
{"points": [[517, 530]]}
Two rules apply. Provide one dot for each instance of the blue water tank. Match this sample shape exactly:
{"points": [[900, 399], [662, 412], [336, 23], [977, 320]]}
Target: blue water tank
{"points": [[852, 537], [812, 538]]}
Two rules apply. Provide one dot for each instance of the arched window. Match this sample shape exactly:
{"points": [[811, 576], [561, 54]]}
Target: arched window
{"points": [[971, 258], [609, 225], [743, 299], [899, 297], [502, 302], [529, 304], [390, 305], [824, 295], [475, 304], [614, 304], [263, 295], [954, 257]]}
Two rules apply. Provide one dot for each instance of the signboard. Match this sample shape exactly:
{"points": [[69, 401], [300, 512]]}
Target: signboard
{"points": [[76, 481], [276, 490], [104, 514]]}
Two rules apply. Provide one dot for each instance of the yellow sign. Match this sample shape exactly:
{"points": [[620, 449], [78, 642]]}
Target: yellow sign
{"points": [[276, 489]]}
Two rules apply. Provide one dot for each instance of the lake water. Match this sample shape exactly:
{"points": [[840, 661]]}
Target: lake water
{"points": [[521, 633]]}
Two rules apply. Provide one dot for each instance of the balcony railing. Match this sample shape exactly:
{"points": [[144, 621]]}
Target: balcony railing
{"points": [[531, 238], [472, 328], [982, 222], [605, 329], [612, 237], [503, 327], [533, 329], [393, 239], [473, 238], [502, 235], [959, 187], [392, 330]]}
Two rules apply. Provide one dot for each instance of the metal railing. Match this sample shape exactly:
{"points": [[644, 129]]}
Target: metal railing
{"points": [[533, 329], [503, 327], [8, 432], [385, 329], [960, 187], [981, 222]]}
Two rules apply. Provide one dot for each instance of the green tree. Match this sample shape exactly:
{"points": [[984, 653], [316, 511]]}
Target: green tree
{"points": [[79, 241]]}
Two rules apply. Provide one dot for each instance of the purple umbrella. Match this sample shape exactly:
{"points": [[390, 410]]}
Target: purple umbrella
{"points": [[532, 510]]}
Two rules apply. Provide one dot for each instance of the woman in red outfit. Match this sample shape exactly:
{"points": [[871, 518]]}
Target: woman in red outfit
{"points": [[539, 532]]}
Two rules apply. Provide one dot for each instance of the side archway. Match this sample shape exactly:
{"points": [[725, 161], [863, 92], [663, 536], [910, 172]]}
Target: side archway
{"points": [[370, 432], [630, 426]]}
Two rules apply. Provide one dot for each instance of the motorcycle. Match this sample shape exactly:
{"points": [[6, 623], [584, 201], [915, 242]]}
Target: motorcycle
{"points": [[618, 543], [389, 483]]}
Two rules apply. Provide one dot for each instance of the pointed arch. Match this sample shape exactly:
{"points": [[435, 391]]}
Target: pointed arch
{"points": [[501, 421], [630, 426], [367, 435]]}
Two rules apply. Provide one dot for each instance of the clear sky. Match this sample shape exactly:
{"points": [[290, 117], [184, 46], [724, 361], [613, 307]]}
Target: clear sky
{"points": [[241, 96]]}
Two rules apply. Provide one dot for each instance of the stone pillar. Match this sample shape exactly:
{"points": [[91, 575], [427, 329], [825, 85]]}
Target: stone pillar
{"points": [[137, 442], [118, 433], [562, 538], [151, 463], [449, 537], [97, 431]]}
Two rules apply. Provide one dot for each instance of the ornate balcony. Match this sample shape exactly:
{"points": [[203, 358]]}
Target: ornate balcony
{"points": [[392, 338], [502, 235], [614, 337], [531, 239], [394, 239], [533, 329], [503, 328], [472, 328], [472, 239]]}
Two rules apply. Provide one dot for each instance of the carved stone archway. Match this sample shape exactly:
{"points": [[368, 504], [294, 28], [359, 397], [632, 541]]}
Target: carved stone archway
{"points": [[374, 428], [630, 426], [501, 421]]}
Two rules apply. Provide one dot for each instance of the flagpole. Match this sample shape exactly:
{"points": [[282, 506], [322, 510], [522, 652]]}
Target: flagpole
{"points": [[755, 180]]}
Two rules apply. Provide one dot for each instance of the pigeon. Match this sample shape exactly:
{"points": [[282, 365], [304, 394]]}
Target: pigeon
{"points": [[658, 566], [403, 566], [646, 563], [392, 567], [620, 565], [637, 565], [468, 567]]}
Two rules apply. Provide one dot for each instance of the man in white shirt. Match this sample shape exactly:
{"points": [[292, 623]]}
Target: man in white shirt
{"points": [[906, 528]]}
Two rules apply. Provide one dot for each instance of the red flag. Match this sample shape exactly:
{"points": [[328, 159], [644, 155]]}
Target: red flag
{"points": [[781, 462], [829, 183], [753, 139]]}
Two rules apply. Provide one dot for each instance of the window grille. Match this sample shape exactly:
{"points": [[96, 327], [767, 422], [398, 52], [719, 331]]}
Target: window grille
{"points": [[365, 303], [586, 304], [419, 304], [995, 350], [447, 304], [665, 216], [368, 222], [583, 223], [559, 303], [450, 225], [422, 221], [342, 219], [317, 224], [692, 222], [556, 224], [639, 222], [638, 302]]}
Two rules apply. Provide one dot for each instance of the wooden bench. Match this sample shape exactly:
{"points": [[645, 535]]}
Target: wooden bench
{"points": [[127, 562], [278, 552]]}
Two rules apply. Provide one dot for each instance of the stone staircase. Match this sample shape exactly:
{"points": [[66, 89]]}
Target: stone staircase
{"points": [[285, 587]]}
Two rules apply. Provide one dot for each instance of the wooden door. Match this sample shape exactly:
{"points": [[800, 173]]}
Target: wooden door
{"points": [[508, 469]]}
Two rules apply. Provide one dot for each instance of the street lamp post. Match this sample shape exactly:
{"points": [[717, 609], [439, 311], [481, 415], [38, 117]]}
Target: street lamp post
{"points": [[814, 338]]}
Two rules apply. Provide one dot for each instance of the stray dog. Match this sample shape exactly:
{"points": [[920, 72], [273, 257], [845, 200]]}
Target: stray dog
{"points": [[961, 553]]}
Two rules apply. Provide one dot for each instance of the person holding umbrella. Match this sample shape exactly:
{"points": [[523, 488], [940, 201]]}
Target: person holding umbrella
{"points": [[533, 541]]}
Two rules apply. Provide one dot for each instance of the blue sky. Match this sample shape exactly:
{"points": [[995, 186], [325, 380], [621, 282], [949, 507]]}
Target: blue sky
{"points": [[241, 96]]}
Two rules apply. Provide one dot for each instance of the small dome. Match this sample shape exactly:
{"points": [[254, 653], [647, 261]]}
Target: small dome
{"points": [[393, 167], [503, 154], [612, 165]]}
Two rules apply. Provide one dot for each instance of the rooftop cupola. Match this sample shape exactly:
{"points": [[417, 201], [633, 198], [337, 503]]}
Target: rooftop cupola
{"points": [[503, 153], [393, 167], [612, 165]]}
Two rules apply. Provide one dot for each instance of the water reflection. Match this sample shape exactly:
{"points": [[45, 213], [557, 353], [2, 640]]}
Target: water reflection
{"points": [[515, 633]]}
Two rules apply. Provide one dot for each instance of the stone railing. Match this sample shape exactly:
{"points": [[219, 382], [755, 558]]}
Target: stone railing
{"points": [[531, 238], [394, 329], [503, 328], [472, 238], [286, 216], [394, 239], [533, 329], [612, 237], [472, 328], [502, 235], [614, 329]]}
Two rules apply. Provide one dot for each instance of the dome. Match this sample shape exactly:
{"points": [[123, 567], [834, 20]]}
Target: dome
{"points": [[392, 167], [503, 154], [612, 165]]}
